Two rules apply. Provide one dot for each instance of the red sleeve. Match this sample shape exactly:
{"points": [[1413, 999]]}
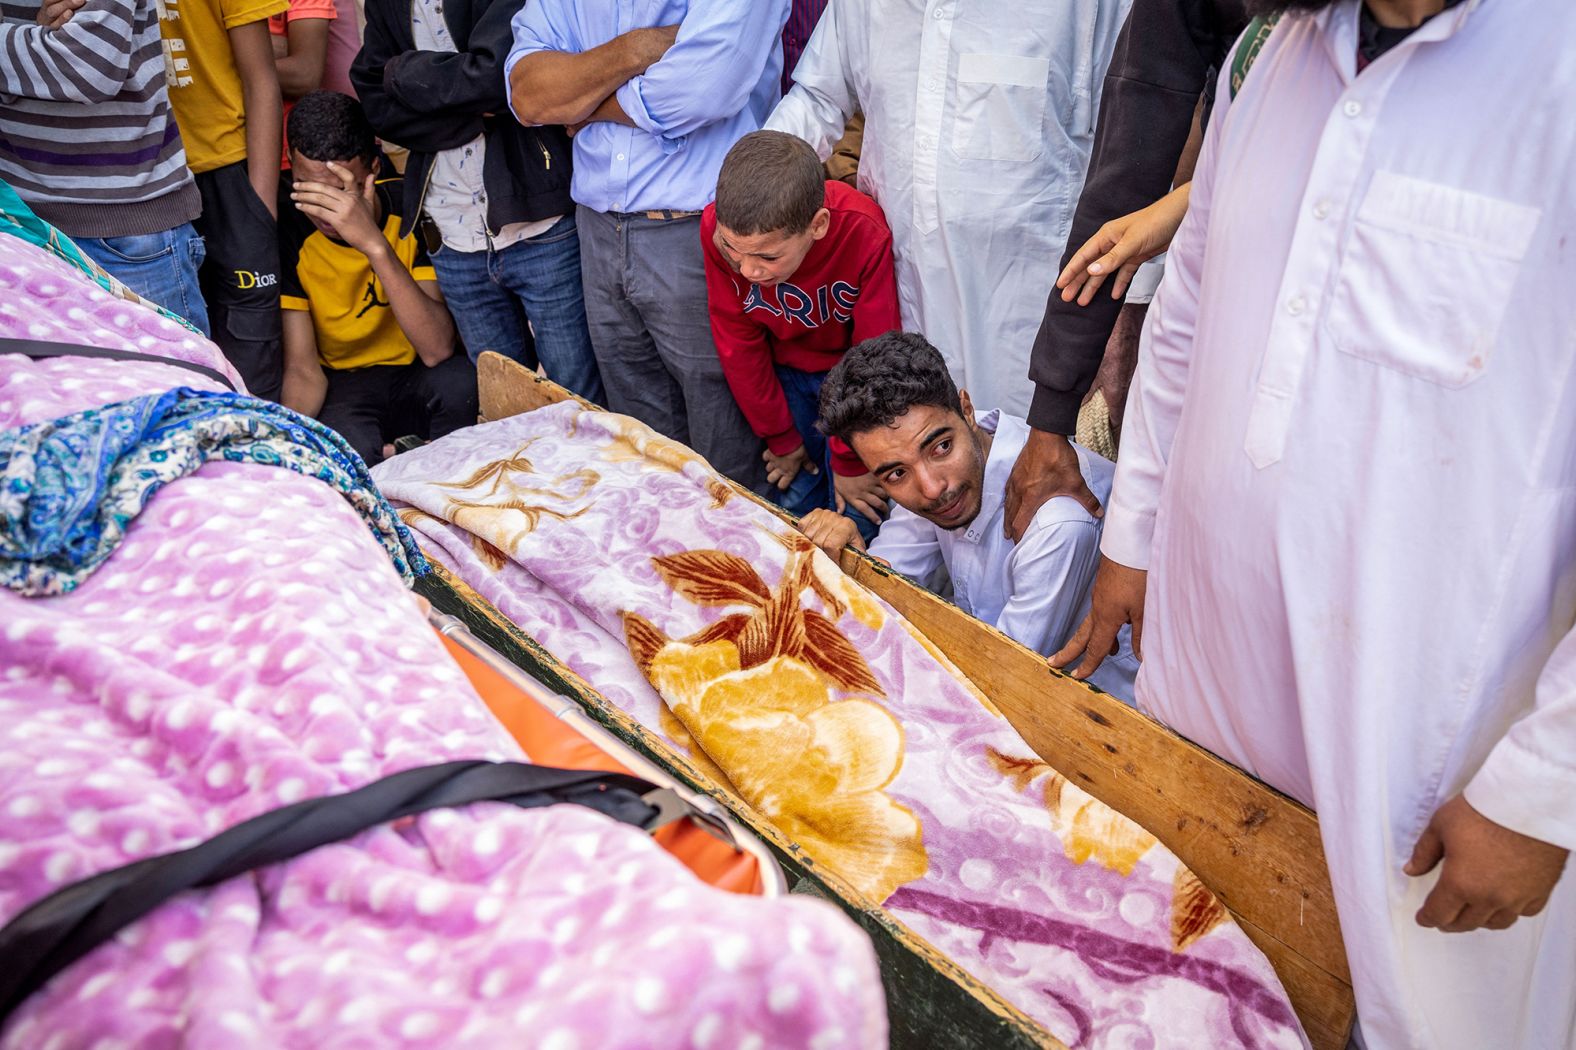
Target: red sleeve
{"points": [[742, 348], [844, 461], [875, 311]]}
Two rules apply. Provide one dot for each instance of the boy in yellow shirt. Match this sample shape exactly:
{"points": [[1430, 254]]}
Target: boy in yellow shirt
{"points": [[369, 345]]}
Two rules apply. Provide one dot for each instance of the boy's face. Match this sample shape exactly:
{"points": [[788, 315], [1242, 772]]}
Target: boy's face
{"points": [[304, 169], [769, 259], [931, 461]]}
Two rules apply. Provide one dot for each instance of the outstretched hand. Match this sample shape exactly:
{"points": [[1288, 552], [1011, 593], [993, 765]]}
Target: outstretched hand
{"points": [[1047, 467], [1118, 600], [1491, 875], [1121, 246]]}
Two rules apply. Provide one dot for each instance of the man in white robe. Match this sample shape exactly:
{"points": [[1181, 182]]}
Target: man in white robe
{"points": [[1344, 518], [979, 118]]}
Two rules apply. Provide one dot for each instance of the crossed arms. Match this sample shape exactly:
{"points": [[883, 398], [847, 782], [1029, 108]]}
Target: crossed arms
{"points": [[669, 81]]}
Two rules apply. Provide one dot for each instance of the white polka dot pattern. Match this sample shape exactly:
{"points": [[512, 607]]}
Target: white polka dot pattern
{"points": [[248, 646], [42, 297]]}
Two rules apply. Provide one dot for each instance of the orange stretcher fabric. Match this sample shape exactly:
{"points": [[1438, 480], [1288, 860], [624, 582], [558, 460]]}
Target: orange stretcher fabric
{"points": [[548, 741]]}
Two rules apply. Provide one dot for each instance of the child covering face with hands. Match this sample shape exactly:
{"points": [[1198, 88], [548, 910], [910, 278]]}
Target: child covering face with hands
{"points": [[369, 344]]}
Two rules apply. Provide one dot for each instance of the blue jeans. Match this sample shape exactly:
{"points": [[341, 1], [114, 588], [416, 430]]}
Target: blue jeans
{"points": [[809, 491], [491, 294], [160, 267]]}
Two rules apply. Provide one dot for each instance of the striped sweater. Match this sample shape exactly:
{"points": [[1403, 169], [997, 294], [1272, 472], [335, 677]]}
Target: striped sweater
{"points": [[86, 133]]}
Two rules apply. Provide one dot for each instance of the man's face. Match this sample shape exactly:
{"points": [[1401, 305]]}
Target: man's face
{"points": [[768, 259], [304, 169], [931, 461]]}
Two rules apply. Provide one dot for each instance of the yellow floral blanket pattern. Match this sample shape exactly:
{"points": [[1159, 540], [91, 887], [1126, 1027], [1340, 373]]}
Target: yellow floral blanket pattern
{"points": [[756, 690]]}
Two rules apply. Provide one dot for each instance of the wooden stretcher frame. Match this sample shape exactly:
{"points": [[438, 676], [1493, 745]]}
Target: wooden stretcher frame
{"points": [[1257, 849]]}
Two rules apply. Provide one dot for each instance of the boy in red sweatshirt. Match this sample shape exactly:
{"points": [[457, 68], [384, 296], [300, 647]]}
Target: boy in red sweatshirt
{"points": [[798, 270]]}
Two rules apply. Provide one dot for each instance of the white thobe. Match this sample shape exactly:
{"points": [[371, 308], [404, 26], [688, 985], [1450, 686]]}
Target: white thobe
{"points": [[1349, 465], [979, 119], [1035, 591]]}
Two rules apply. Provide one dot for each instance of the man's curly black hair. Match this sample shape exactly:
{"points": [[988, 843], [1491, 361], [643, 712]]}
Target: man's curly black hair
{"points": [[882, 378], [327, 125]]}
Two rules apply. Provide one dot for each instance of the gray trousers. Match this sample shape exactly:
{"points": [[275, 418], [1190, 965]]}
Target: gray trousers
{"points": [[645, 294]]}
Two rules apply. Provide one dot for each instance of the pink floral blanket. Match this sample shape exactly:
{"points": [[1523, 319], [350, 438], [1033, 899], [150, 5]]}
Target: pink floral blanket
{"points": [[250, 645], [721, 629]]}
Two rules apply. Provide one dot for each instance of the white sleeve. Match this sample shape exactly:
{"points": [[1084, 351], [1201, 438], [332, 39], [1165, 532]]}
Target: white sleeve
{"points": [[908, 544], [1154, 403], [821, 101], [1051, 571], [1528, 782]]}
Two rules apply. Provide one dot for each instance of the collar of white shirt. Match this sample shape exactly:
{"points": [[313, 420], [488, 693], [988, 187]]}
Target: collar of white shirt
{"points": [[1338, 26]]}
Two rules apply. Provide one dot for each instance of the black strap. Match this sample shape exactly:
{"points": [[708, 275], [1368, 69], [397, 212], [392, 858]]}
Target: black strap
{"points": [[37, 348], [63, 927]]}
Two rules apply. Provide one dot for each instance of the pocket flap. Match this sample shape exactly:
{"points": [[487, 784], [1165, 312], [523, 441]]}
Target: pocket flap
{"points": [[1498, 228], [254, 324]]}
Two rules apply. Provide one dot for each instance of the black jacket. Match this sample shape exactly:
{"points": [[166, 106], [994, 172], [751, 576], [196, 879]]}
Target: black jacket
{"points": [[1161, 65], [428, 101]]}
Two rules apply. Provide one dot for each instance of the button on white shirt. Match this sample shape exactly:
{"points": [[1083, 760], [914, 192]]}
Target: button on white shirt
{"points": [[979, 119], [1035, 591], [1360, 521]]}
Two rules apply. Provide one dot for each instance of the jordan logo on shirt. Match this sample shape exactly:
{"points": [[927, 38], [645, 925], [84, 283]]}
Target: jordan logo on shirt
{"points": [[370, 298], [833, 301]]}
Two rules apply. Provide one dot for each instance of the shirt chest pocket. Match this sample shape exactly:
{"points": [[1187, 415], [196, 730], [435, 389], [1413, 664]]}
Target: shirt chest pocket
{"points": [[999, 110], [1427, 276]]}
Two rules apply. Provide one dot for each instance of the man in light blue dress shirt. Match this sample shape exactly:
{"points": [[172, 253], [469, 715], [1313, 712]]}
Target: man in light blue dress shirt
{"points": [[656, 91]]}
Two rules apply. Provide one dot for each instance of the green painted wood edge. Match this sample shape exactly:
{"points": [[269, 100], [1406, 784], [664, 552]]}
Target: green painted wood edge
{"points": [[927, 1009]]}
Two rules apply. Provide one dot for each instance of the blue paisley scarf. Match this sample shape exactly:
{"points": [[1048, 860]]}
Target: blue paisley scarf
{"points": [[69, 488]]}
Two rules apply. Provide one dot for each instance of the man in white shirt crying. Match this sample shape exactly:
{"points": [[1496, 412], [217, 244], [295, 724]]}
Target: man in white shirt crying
{"points": [[892, 400]]}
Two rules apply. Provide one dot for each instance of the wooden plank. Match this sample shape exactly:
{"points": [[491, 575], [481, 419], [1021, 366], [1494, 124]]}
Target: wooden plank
{"points": [[1254, 847], [1323, 1001], [931, 1001], [508, 388]]}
